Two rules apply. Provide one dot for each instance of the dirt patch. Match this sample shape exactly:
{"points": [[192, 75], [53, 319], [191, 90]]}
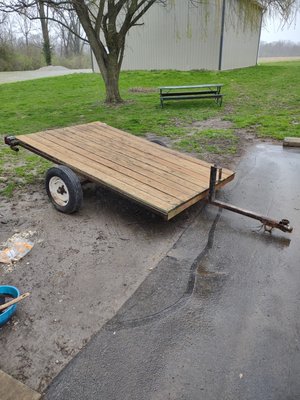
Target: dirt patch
{"points": [[244, 139], [82, 268], [212, 123], [142, 90], [228, 151]]}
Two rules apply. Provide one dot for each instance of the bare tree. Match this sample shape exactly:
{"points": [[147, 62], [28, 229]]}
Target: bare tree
{"points": [[32, 10], [70, 33], [25, 27], [285, 9], [280, 48]]}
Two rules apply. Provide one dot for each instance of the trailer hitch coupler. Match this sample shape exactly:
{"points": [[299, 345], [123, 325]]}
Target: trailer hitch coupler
{"points": [[12, 142], [285, 224]]}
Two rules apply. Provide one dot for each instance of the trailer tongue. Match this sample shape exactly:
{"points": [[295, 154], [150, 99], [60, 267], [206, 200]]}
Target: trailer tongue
{"points": [[267, 223]]}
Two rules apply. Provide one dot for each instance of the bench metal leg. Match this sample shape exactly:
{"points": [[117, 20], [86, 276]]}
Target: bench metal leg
{"points": [[161, 98]]}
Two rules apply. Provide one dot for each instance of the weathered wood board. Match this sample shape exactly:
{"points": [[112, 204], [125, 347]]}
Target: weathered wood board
{"points": [[161, 179], [291, 142]]}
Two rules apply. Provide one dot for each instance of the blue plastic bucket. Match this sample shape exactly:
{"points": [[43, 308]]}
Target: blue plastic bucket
{"points": [[8, 312]]}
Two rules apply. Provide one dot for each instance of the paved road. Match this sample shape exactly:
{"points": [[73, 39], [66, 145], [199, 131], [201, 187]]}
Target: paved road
{"points": [[219, 317], [45, 72]]}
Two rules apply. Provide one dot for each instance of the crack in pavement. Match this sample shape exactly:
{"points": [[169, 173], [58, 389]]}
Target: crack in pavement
{"points": [[113, 325]]}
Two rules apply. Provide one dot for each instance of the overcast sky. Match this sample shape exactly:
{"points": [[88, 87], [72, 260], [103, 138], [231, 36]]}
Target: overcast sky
{"points": [[272, 31]]}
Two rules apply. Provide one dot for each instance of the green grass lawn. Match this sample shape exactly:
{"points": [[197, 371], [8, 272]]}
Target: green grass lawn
{"points": [[263, 99]]}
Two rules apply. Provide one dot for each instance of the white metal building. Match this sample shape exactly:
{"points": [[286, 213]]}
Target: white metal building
{"points": [[186, 35]]}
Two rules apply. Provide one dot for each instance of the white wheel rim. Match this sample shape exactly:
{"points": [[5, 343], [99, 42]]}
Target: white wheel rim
{"points": [[59, 191]]}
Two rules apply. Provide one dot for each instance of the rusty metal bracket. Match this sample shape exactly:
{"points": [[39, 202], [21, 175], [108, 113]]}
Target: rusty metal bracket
{"points": [[12, 142], [268, 223]]}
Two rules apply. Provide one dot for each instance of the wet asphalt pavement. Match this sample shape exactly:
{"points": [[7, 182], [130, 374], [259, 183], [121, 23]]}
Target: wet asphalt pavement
{"points": [[218, 318]]}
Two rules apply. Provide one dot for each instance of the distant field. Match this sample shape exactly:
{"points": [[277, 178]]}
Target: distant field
{"points": [[277, 59], [261, 101]]}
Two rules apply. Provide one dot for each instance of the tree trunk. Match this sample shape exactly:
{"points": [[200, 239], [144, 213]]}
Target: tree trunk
{"points": [[110, 71], [47, 52], [111, 80], [45, 31]]}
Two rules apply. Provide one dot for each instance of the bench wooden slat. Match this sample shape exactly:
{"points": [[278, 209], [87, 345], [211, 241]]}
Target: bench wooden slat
{"points": [[207, 85], [167, 94], [184, 97]]}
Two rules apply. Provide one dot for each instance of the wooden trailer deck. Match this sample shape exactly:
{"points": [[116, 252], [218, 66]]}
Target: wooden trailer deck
{"points": [[161, 179]]}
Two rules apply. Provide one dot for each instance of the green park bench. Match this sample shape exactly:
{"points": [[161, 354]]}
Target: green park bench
{"points": [[208, 91]]}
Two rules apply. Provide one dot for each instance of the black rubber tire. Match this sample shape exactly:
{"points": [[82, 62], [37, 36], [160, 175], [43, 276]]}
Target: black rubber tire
{"points": [[157, 141], [71, 182]]}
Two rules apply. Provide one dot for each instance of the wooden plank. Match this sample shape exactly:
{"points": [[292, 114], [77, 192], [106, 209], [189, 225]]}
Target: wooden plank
{"points": [[192, 86], [120, 157], [144, 145], [196, 176], [189, 175], [159, 178], [159, 154], [192, 93], [189, 168], [195, 97], [108, 180], [291, 142], [11, 389], [90, 158], [123, 137], [72, 157], [177, 210], [155, 148]]}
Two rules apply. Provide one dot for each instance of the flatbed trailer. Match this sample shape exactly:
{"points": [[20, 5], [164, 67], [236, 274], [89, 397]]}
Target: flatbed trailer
{"points": [[163, 180]]}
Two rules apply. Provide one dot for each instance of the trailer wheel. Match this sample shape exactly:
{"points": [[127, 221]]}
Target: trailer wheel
{"points": [[64, 189], [157, 141]]}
